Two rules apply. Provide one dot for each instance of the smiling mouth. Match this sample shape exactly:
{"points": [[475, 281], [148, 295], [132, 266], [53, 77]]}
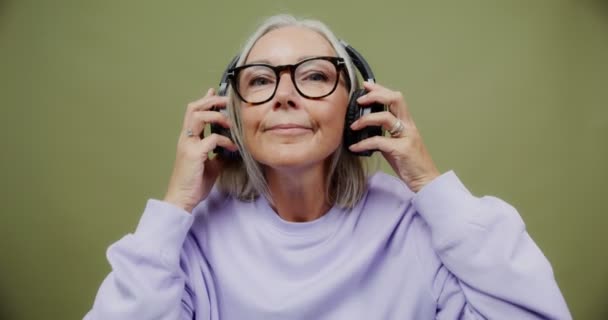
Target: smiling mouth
{"points": [[288, 129]]}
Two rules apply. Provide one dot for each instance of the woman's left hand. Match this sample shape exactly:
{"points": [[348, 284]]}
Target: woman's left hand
{"points": [[404, 149]]}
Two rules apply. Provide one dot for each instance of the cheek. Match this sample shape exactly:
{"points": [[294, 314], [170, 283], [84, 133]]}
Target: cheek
{"points": [[250, 122], [332, 128], [336, 128], [337, 118]]}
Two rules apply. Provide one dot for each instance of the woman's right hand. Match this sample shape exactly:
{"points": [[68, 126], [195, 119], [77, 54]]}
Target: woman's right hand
{"points": [[194, 173]]}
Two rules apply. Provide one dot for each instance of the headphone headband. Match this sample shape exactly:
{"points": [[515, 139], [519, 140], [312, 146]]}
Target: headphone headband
{"points": [[364, 69]]}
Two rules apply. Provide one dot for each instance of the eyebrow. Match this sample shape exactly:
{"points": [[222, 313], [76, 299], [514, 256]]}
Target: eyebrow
{"points": [[265, 61]]}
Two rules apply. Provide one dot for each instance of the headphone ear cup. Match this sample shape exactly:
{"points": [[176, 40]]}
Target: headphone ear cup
{"points": [[353, 113], [218, 129]]}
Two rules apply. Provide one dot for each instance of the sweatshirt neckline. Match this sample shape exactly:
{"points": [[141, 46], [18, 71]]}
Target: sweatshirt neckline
{"points": [[319, 227]]}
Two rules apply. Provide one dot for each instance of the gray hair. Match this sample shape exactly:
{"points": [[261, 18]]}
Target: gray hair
{"points": [[244, 178]]}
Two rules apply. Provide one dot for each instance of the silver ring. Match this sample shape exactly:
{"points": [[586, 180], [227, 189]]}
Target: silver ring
{"points": [[189, 133], [396, 129]]}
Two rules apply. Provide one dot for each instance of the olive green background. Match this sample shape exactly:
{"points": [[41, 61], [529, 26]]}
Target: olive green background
{"points": [[512, 95]]}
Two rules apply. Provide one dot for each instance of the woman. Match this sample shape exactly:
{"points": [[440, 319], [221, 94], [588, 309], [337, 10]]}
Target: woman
{"points": [[296, 230]]}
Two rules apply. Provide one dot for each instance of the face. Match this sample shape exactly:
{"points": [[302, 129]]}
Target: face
{"points": [[290, 131]]}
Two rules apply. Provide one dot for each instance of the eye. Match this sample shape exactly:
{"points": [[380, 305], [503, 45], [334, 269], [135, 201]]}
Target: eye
{"points": [[259, 81], [316, 76]]}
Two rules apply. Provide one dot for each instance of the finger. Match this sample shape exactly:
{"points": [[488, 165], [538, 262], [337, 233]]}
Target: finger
{"points": [[393, 99], [192, 105], [199, 120], [385, 119], [203, 104], [207, 102], [372, 86], [382, 96], [215, 140], [384, 144]]}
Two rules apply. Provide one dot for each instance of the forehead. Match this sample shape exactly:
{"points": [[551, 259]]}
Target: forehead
{"points": [[289, 45]]}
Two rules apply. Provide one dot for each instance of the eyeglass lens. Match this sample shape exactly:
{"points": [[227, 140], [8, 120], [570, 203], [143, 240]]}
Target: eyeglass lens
{"points": [[313, 79]]}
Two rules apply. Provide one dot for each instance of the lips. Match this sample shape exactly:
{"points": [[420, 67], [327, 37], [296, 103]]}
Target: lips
{"points": [[287, 126], [288, 129]]}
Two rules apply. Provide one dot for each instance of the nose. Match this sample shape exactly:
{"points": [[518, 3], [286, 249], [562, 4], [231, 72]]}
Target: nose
{"points": [[286, 92]]}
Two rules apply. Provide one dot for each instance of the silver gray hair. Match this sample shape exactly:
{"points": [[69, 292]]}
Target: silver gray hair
{"points": [[244, 178]]}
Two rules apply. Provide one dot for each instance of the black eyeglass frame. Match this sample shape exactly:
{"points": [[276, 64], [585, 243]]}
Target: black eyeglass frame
{"points": [[233, 73]]}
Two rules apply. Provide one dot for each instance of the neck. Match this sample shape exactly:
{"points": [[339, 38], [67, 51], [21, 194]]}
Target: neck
{"points": [[298, 195]]}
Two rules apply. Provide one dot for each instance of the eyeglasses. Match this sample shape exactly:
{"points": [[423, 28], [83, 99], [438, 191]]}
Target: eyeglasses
{"points": [[313, 78]]}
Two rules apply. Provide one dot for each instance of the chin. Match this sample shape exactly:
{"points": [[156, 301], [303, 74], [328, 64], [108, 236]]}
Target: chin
{"points": [[293, 156]]}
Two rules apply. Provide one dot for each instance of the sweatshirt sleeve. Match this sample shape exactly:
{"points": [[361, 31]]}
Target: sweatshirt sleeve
{"points": [[491, 269], [146, 281]]}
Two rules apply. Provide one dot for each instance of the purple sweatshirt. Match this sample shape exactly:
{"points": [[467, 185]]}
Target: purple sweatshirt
{"points": [[440, 253]]}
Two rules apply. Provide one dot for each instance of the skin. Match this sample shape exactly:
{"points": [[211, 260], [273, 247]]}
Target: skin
{"points": [[293, 136], [290, 135]]}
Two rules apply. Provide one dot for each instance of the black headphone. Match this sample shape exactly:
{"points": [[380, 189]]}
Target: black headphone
{"points": [[354, 111]]}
